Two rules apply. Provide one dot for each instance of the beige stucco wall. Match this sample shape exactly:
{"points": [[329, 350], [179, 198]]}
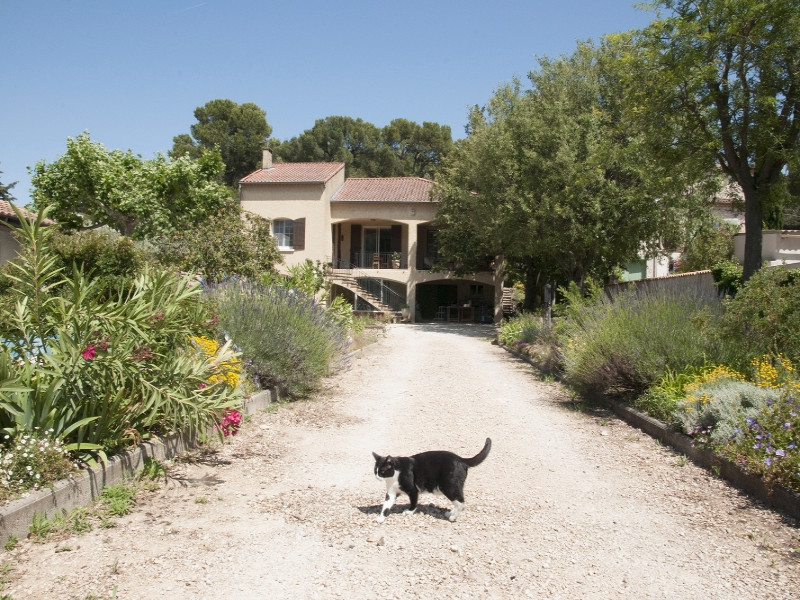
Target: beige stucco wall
{"points": [[297, 201], [408, 214], [8, 245]]}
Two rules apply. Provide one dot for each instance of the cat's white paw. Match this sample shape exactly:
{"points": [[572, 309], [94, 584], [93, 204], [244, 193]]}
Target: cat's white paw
{"points": [[450, 517], [380, 518], [409, 511]]}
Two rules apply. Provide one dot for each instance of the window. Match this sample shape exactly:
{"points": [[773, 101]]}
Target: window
{"points": [[284, 233]]}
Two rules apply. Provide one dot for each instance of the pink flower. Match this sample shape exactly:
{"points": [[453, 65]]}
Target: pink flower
{"points": [[88, 353], [230, 423]]}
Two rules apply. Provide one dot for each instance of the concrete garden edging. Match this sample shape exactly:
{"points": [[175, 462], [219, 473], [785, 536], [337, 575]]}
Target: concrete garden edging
{"points": [[17, 516], [779, 498]]}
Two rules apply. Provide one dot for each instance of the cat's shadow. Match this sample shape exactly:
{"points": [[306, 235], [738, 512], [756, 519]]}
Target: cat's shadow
{"points": [[429, 509]]}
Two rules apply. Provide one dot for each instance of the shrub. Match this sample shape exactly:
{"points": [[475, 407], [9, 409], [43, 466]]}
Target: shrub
{"points": [[29, 461], [525, 328], [768, 443], [662, 398], [103, 373], [308, 278], [717, 402], [529, 334], [752, 423], [107, 257], [727, 276], [622, 346], [232, 243], [287, 339], [762, 318]]}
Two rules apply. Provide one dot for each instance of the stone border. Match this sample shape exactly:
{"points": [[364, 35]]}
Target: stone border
{"points": [[779, 498], [17, 516]]}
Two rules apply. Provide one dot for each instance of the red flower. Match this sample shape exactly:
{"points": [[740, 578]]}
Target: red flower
{"points": [[88, 353]]}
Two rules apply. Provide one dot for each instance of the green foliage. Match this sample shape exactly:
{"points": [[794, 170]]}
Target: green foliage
{"points": [[622, 346], [103, 373], [29, 461], [727, 277], [528, 334], [110, 259], [238, 131], [118, 500], [709, 246], [288, 341], [525, 328], [308, 278], [762, 318], [341, 312], [721, 77], [90, 186], [661, 400], [768, 444], [5, 191], [62, 523], [558, 157], [402, 148], [713, 411], [229, 244]]}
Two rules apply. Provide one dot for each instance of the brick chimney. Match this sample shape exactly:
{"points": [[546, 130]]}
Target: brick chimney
{"points": [[266, 160]]}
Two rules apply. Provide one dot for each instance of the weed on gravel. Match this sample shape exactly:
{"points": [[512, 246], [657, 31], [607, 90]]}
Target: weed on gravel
{"points": [[116, 501]]}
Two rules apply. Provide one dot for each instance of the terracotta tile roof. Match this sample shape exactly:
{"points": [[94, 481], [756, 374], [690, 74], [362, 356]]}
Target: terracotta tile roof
{"points": [[7, 213], [295, 173], [385, 189]]}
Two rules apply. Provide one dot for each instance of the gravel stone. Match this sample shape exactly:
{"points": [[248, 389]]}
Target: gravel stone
{"points": [[570, 503]]}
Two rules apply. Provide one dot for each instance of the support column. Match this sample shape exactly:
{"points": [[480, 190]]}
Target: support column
{"points": [[411, 283]]}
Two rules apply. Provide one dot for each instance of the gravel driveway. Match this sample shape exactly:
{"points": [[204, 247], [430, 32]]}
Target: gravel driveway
{"points": [[570, 503]]}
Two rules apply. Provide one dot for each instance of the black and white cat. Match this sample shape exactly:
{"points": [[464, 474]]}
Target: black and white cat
{"points": [[433, 471]]}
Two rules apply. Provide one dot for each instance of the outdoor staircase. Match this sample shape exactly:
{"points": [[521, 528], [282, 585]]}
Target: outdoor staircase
{"points": [[508, 302], [346, 279]]}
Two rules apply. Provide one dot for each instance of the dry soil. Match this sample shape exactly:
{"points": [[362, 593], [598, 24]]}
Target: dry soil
{"points": [[571, 502]]}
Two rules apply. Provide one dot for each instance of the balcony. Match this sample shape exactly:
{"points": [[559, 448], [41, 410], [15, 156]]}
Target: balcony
{"points": [[380, 260]]}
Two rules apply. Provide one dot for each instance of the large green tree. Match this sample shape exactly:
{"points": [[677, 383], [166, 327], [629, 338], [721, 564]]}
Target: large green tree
{"points": [[724, 75], [228, 244], [552, 178], [352, 141], [402, 148], [90, 186], [417, 149], [238, 131]]}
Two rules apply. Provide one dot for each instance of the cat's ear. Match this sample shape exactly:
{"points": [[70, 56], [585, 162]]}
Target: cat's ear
{"points": [[377, 456]]}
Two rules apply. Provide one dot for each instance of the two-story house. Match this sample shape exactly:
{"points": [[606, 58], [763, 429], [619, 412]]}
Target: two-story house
{"points": [[376, 235]]}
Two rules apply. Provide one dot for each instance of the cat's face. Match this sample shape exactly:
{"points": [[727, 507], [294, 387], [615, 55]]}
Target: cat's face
{"points": [[384, 466]]}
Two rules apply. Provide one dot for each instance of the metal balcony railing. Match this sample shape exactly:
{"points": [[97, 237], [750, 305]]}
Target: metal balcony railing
{"points": [[374, 287], [381, 260]]}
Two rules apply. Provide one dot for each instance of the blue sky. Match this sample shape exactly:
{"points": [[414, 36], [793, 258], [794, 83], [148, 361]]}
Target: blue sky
{"points": [[131, 73]]}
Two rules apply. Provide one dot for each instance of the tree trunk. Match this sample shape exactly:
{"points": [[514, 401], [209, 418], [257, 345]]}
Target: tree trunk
{"points": [[753, 231], [533, 289]]}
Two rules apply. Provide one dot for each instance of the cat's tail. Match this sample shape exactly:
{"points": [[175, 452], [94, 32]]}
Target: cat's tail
{"points": [[480, 456]]}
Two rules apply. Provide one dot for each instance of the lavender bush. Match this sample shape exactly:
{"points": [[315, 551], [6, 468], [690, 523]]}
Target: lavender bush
{"points": [[286, 338]]}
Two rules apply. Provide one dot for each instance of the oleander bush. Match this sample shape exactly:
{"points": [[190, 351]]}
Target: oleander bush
{"points": [[100, 373]]}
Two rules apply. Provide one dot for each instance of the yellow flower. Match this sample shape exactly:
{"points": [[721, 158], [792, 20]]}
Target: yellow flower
{"points": [[229, 370]]}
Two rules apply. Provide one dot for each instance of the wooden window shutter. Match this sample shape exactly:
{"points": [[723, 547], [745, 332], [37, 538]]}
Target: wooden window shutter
{"points": [[300, 234]]}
